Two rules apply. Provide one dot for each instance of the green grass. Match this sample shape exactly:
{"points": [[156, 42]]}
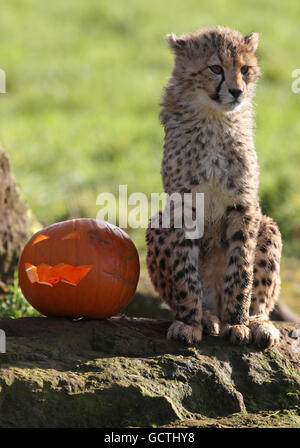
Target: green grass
{"points": [[84, 80], [13, 304]]}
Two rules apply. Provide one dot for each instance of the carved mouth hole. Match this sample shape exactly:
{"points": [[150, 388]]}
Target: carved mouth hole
{"points": [[44, 274]]}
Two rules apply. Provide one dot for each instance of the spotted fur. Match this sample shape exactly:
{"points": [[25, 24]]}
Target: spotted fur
{"points": [[227, 281]]}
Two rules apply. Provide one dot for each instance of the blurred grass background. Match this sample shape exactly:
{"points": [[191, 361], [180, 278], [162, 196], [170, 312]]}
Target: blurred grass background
{"points": [[84, 80]]}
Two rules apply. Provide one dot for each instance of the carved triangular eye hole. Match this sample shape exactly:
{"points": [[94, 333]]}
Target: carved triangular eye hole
{"points": [[72, 236], [40, 238]]}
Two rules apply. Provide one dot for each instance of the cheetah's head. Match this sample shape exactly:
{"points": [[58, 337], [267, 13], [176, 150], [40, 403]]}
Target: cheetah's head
{"points": [[216, 67]]}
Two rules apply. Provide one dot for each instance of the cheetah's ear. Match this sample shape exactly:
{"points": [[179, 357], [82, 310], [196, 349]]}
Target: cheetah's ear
{"points": [[251, 41], [177, 44]]}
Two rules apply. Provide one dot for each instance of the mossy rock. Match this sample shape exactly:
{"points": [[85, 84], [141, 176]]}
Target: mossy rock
{"points": [[124, 372]]}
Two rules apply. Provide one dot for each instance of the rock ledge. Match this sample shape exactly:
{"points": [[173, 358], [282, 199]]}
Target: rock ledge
{"points": [[123, 372]]}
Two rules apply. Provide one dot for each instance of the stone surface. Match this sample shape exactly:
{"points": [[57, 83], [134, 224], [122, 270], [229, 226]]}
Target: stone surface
{"points": [[123, 372]]}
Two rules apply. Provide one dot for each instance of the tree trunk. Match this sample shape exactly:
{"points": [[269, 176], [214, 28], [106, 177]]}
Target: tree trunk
{"points": [[13, 222]]}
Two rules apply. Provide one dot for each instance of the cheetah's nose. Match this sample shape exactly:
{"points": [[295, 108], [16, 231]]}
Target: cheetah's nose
{"points": [[235, 92]]}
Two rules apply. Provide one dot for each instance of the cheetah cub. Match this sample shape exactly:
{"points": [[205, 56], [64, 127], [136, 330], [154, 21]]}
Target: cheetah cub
{"points": [[227, 281]]}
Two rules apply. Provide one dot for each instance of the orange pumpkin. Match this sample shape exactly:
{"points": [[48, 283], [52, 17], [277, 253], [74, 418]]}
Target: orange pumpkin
{"points": [[79, 268]]}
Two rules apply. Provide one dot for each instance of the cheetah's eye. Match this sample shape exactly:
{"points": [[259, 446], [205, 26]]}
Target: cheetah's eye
{"points": [[217, 69], [244, 69]]}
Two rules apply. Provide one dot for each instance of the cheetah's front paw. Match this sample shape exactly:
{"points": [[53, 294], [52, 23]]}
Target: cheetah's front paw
{"points": [[238, 334], [185, 333], [264, 334]]}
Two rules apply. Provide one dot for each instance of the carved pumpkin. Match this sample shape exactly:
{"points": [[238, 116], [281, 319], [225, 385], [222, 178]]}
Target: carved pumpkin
{"points": [[79, 268]]}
